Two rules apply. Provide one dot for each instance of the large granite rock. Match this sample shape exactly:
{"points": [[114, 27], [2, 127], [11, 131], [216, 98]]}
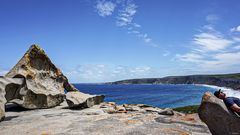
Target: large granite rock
{"points": [[12, 85], [80, 100], [218, 118], [44, 82]]}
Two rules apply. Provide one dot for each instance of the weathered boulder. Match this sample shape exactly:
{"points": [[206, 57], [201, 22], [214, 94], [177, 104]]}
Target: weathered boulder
{"points": [[10, 84], [218, 118], [167, 111], [44, 82], [77, 99]]}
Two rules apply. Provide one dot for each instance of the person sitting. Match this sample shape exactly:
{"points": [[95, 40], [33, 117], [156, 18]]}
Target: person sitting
{"points": [[232, 103]]}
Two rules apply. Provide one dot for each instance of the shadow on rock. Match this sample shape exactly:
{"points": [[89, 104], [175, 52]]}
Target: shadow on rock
{"points": [[14, 108], [10, 118]]}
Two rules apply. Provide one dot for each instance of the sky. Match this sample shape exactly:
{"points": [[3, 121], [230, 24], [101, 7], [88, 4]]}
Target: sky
{"points": [[108, 40]]}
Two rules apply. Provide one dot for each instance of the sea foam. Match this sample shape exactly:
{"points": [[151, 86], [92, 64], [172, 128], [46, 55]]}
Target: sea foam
{"points": [[228, 91]]}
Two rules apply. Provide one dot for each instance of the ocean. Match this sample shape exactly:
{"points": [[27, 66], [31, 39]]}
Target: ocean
{"points": [[163, 96]]}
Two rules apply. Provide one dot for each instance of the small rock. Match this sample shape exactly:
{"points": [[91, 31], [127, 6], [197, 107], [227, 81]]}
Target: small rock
{"points": [[166, 111], [152, 109], [121, 109], [107, 104], [109, 110], [133, 108]]}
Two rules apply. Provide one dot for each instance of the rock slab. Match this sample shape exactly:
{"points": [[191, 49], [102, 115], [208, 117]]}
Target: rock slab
{"points": [[218, 118], [9, 84], [77, 99]]}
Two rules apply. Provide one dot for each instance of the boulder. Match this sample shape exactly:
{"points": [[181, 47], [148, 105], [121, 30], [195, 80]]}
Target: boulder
{"points": [[218, 118], [77, 99], [167, 111], [9, 84], [44, 82]]}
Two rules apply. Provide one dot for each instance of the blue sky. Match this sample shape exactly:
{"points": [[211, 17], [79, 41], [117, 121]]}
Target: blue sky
{"points": [[109, 40]]}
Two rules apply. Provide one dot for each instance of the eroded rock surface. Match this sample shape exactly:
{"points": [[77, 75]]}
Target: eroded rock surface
{"points": [[95, 121], [218, 118], [13, 85], [44, 82]]}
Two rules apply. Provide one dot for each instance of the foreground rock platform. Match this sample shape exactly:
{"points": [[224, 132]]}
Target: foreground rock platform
{"points": [[218, 118], [103, 119], [44, 83]]}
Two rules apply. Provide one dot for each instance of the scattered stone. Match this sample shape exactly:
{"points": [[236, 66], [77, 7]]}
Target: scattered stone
{"points": [[152, 109], [9, 84], [120, 109], [218, 118], [110, 110], [80, 100], [134, 108], [44, 82], [107, 104], [166, 111]]}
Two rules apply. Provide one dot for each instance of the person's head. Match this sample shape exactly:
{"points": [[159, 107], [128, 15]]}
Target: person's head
{"points": [[220, 94]]}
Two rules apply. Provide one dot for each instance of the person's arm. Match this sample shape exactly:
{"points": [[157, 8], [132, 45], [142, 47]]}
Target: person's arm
{"points": [[235, 107]]}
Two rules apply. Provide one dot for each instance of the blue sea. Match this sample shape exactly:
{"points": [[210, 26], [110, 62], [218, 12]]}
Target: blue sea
{"points": [[163, 96]]}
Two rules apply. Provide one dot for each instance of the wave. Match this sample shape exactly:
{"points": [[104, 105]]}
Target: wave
{"points": [[228, 91]]}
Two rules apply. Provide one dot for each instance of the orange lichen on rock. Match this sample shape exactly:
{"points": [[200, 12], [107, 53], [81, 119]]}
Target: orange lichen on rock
{"points": [[174, 130]]}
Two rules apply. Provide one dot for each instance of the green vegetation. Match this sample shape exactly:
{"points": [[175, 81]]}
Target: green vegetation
{"points": [[229, 76], [187, 109]]}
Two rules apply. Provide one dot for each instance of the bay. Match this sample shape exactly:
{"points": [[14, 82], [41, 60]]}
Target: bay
{"points": [[163, 96]]}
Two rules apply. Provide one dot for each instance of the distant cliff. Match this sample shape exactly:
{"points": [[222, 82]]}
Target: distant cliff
{"points": [[222, 80]]}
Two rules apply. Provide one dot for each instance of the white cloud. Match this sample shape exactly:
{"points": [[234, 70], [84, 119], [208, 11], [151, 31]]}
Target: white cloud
{"points": [[212, 18], [133, 32], [236, 39], [3, 71], [212, 52], [190, 57], [228, 58], [105, 8], [126, 15], [105, 73], [166, 53], [221, 62], [136, 25], [147, 40], [237, 47], [211, 42], [235, 29]]}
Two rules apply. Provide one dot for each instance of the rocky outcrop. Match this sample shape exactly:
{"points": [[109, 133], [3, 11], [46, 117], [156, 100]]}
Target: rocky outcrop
{"points": [[44, 83], [12, 85], [77, 99], [96, 121], [218, 118]]}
